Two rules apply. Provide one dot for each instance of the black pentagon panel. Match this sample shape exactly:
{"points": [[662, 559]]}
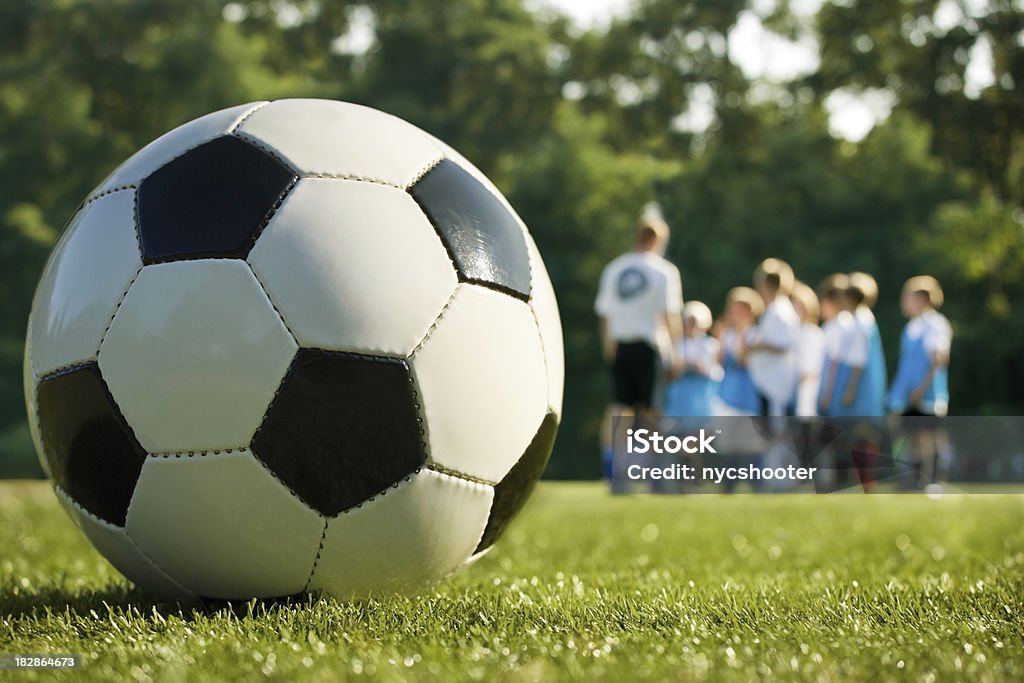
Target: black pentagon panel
{"points": [[511, 492], [483, 238], [92, 453], [211, 202], [342, 428]]}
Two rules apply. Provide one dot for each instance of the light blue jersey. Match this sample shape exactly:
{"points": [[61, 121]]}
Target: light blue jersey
{"points": [[737, 390], [874, 372], [924, 336], [846, 345], [692, 393]]}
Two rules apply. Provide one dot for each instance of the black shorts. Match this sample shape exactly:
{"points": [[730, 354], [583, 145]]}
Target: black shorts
{"points": [[636, 375]]}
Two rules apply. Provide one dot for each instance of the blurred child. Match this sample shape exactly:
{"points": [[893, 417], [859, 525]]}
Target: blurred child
{"points": [[846, 352], [693, 382], [810, 357], [693, 379], [920, 388], [920, 385], [737, 394], [772, 350], [810, 350], [846, 355], [863, 293]]}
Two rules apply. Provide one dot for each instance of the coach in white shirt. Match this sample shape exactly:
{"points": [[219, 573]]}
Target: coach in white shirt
{"points": [[639, 302]]}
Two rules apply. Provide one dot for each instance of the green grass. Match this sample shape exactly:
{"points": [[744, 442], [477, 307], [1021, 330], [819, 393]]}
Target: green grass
{"points": [[584, 586]]}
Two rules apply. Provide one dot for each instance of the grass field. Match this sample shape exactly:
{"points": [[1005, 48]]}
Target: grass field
{"points": [[586, 587]]}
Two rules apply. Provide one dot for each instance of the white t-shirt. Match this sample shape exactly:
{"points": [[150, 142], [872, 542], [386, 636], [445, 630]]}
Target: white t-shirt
{"points": [[636, 290], [701, 351], [775, 373], [810, 359], [810, 350], [864, 316], [846, 341], [938, 333]]}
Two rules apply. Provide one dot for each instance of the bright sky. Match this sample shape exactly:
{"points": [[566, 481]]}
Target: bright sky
{"points": [[766, 55]]}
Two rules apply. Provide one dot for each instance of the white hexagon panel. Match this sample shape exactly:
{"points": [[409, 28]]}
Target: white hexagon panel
{"points": [[483, 383], [354, 266], [115, 545], [90, 269], [340, 139], [220, 524], [194, 355], [412, 534]]}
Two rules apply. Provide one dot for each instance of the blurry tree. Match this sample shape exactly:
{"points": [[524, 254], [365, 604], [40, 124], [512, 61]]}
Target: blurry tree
{"points": [[958, 66], [642, 73]]}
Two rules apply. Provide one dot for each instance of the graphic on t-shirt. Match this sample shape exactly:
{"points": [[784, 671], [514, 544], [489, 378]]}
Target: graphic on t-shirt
{"points": [[632, 282]]}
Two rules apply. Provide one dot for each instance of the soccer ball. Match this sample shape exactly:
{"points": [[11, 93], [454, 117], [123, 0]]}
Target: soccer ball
{"points": [[294, 346]]}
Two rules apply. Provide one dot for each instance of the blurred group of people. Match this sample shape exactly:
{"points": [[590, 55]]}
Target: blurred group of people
{"points": [[780, 348]]}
